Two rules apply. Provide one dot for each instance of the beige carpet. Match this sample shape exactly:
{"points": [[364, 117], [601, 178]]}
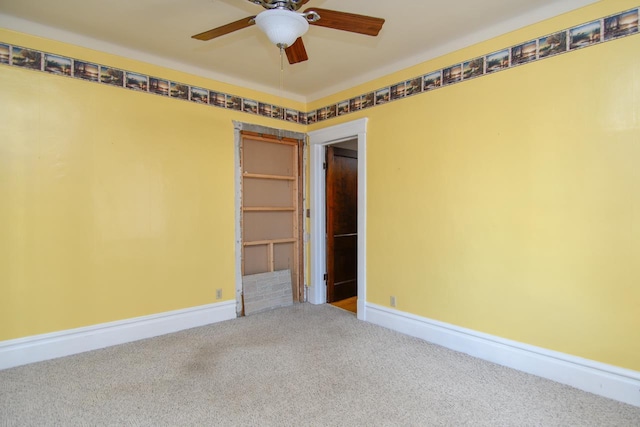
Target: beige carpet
{"points": [[297, 366]]}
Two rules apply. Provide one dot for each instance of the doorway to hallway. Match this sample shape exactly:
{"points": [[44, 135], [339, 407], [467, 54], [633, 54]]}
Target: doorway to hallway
{"points": [[342, 220], [318, 141]]}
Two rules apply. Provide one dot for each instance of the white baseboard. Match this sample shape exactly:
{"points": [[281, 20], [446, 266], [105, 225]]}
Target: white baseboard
{"points": [[37, 348], [605, 380]]}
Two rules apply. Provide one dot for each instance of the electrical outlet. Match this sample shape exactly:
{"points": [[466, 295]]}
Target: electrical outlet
{"points": [[392, 301], [218, 293]]}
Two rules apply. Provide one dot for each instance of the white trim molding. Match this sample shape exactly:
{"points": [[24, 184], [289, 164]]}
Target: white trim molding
{"points": [[318, 140], [598, 378], [38, 348]]}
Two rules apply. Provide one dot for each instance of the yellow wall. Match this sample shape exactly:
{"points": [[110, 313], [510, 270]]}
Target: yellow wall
{"points": [[510, 204], [113, 203]]}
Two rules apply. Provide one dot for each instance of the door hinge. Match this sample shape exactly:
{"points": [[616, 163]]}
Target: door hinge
{"points": [[308, 213], [324, 165], [326, 277]]}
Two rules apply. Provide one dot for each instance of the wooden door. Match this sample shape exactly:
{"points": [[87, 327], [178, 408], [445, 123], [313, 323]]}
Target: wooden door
{"points": [[342, 223], [271, 207]]}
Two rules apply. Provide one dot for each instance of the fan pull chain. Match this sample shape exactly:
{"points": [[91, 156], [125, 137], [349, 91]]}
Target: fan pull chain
{"points": [[281, 67], [281, 84]]}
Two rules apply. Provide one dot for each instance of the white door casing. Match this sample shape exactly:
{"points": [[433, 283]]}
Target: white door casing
{"points": [[317, 141]]}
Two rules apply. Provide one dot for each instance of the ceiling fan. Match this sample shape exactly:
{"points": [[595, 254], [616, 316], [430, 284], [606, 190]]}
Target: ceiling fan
{"points": [[284, 25]]}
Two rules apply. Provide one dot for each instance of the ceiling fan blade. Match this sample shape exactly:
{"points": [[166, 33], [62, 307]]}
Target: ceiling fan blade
{"points": [[344, 21], [225, 29], [296, 52]]}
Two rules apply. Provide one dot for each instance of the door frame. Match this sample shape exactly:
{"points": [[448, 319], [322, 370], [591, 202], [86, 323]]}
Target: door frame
{"points": [[318, 140], [238, 127]]}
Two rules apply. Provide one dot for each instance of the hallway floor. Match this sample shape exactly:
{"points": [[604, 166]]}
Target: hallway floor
{"points": [[349, 304]]}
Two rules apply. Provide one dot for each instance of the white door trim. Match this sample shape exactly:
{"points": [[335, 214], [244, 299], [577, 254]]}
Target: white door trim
{"points": [[317, 141]]}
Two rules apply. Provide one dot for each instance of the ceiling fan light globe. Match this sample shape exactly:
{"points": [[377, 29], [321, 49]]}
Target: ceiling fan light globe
{"points": [[282, 27]]}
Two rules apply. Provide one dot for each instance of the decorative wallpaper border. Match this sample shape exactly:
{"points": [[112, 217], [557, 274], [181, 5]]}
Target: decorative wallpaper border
{"points": [[588, 34], [36, 60], [591, 33]]}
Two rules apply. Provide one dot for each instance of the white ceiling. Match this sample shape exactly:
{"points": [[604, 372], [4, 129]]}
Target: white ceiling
{"points": [[159, 31]]}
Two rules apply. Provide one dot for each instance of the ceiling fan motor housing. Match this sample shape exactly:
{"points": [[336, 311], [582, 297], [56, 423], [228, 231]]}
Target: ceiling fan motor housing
{"points": [[280, 4]]}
